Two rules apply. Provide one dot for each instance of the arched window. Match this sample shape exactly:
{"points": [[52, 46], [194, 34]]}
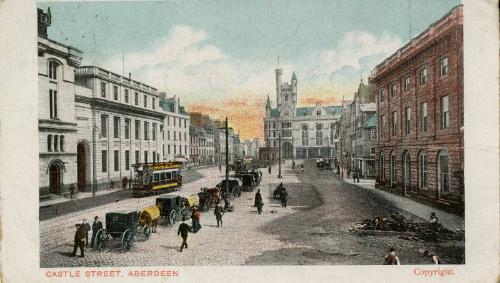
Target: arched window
{"points": [[53, 68], [49, 143], [319, 126], [381, 173], [286, 97], [422, 170], [443, 172], [61, 143], [392, 168], [56, 143]]}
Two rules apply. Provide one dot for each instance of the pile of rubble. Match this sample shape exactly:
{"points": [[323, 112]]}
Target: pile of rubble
{"points": [[409, 230]]}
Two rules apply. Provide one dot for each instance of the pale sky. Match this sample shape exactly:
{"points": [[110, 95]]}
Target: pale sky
{"points": [[220, 56]]}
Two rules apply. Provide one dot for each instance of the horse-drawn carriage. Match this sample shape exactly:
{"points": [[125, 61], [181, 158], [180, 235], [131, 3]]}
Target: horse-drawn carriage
{"points": [[175, 208], [232, 190], [208, 198], [248, 182], [123, 226]]}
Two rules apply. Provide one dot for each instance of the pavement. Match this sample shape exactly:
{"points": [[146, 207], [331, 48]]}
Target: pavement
{"points": [[448, 220]]}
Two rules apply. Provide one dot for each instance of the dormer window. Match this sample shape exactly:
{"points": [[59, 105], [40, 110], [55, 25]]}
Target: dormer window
{"points": [[53, 66], [318, 112]]}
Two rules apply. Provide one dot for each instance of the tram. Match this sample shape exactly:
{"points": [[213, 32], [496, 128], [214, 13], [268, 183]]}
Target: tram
{"points": [[156, 178]]}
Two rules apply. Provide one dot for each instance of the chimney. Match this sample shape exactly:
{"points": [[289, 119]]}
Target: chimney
{"points": [[129, 75]]}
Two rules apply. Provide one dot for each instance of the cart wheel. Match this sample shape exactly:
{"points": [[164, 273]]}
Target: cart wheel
{"points": [[127, 240], [184, 214], [146, 232], [172, 217], [101, 240]]}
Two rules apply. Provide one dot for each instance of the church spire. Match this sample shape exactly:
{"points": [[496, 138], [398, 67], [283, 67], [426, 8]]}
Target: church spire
{"points": [[268, 103]]}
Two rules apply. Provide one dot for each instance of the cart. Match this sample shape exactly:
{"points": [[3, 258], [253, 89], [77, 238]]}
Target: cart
{"points": [[122, 226], [174, 208]]}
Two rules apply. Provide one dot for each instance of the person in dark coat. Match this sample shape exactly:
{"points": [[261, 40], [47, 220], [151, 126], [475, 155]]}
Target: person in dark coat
{"points": [[391, 258], [183, 231], [196, 217], [79, 240], [269, 169], [258, 201], [284, 197], [218, 215], [96, 226], [86, 229]]}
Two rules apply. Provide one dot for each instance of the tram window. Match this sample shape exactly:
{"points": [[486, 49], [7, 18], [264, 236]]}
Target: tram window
{"points": [[174, 175], [163, 176], [157, 177], [169, 175]]}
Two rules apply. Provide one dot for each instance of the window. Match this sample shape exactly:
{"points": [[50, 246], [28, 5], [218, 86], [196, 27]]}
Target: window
{"points": [[145, 101], [286, 97], [407, 120], [423, 117], [392, 169], [372, 150], [185, 137], [137, 129], [175, 149], [127, 129], [103, 89], [115, 92], [53, 65], [381, 95], [168, 148], [137, 157], [175, 135], [146, 130], [153, 102], [126, 96], [185, 123], [186, 149], [154, 131], [422, 170], [423, 75], [53, 103], [136, 99], [168, 120], [373, 134], [56, 143], [382, 167], [168, 134], [382, 125], [154, 156], [104, 126], [61, 143], [319, 137], [443, 66], [49, 143], [127, 160], [145, 157], [394, 123], [393, 89], [443, 172], [174, 120], [407, 83], [445, 112], [104, 161], [116, 162], [116, 127]]}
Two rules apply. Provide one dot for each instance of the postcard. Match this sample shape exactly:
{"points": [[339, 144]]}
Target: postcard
{"points": [[236, 141]]}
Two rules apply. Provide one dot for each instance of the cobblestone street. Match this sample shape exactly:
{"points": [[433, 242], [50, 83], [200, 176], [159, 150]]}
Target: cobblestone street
{"points": [[312, 229]]}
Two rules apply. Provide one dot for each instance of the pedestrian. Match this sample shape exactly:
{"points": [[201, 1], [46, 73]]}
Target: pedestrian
{"points": [[391, 258], [302, 168], [293, 164], [86, 229], [196, 217], [435, 258], [72, 191], [258, 201], [220, 168], [358, 172], [96, 226], [284, 197], [269, 169], [183, 231], [218, 215], [79, 240]]}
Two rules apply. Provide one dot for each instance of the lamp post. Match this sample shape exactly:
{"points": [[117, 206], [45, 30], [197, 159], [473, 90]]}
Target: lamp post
{"points": [[279, 155]]}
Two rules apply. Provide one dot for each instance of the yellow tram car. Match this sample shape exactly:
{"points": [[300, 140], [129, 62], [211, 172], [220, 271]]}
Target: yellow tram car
{"points": [[156, 178]]}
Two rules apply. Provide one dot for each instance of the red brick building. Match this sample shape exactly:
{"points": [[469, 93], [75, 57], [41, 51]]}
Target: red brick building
{"points": [[420, 116]]}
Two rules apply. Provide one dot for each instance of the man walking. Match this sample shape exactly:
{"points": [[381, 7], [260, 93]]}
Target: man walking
{"points": [[183, 231], [86, 229], [258, 201], [79, 240], [269, 169], [284, 197], [196, 217], [218, 215], [96, 226]]}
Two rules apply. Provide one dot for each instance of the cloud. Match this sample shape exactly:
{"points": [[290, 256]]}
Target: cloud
{"points": [[185, 62]]}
